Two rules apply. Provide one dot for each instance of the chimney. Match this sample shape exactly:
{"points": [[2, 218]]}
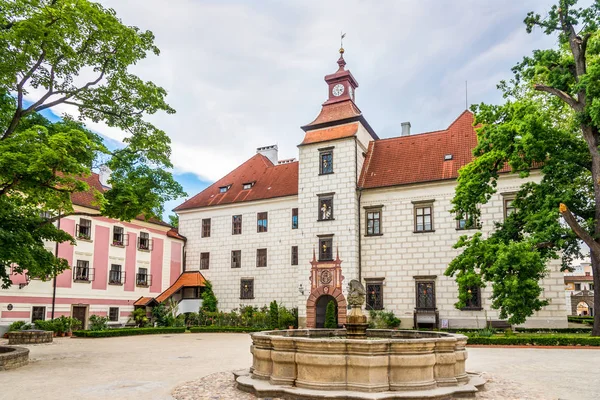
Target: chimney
{"points": [[405, 129], [270, 152], [105, 176]]}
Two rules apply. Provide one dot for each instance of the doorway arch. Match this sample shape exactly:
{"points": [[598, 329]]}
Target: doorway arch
{"points": [[311, 305], [321, 309]]}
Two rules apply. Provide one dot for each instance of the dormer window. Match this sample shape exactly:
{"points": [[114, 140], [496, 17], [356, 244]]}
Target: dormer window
{"points": [[448, 157], [248, 185], [224, 189]]}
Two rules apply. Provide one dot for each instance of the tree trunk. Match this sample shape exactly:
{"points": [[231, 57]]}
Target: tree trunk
{"points": [[595, 258]]}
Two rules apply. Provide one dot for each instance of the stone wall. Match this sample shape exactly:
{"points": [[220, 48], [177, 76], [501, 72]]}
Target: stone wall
{"points": [[29, 337], [13, 357]]}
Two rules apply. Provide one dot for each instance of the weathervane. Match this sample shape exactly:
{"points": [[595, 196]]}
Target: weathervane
{"points": [[342, 36]]}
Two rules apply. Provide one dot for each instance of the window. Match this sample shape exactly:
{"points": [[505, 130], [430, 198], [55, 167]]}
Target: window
{"points": [[294, 255], [82, 271], [224, 189], [247, 289], [373, 222], [467, 222], [115, 275], [591, 286], [374, 295], [578, 286], [326, 161], [113, 314], [118, 236], [425, 294], [262, 222], [423, 217], [247, 185], [294, 218], [144, 242], [142, 277], [509, 208], [84, 229], [325, 207], [204, 260], [38, 313], [326, 248], [236, 259], [236, 225], [206, 227], [474, 302], [261, 257]]}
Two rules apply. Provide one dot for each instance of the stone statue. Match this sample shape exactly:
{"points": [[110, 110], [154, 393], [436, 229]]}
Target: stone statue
{"points": [[356, 293]]}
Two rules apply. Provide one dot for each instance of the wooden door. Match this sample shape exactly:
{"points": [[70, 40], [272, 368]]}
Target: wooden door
{"points": [[80, 312]]}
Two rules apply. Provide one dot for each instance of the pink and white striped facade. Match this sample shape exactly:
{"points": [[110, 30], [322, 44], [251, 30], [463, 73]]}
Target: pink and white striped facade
{"points": [[99, 293]]}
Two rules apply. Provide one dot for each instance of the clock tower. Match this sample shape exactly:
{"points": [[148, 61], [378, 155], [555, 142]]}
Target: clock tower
{"points": [[342, 85]]}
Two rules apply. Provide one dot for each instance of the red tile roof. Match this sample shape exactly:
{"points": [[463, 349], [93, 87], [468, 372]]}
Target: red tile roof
{"points": [[186, 279], [579, 278], [332, 133], [144, 301], [336, 112], [87, 199], [420, 158], [270, 181], [174, 233]]}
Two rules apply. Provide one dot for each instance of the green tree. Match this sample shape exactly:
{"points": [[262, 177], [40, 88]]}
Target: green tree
{"points": [[74, 53], [274, 314], [330, 316], [549, 124], [209, 300], [174, 221]]}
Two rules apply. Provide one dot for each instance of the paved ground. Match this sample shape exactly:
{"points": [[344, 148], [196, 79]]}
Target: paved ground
{"points": [[151, 367]]}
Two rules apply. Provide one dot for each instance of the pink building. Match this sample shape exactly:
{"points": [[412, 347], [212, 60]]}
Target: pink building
{"points": [[113, 264]]}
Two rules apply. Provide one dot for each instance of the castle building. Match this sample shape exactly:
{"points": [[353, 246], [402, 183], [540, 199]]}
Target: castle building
{"points": [[115, 266], [353, 206]]}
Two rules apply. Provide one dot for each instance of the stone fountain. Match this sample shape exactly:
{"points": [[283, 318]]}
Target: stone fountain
{"points": [[358, 363]]}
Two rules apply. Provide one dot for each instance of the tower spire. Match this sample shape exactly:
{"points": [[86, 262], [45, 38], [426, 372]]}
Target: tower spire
{"points": [[341, 62]]}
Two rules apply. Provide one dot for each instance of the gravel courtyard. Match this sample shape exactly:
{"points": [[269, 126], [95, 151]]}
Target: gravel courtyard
{"points": [[158, 367]]}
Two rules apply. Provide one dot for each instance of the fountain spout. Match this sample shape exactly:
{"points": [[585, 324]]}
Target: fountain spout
{"points": [[356, 323]]}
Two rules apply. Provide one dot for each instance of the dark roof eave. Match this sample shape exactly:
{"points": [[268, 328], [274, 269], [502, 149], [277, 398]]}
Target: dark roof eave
{"points": [[235, 202]]}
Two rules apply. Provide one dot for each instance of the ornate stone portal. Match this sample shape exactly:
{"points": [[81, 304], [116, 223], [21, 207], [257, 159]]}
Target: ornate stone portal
{"points": [[325, 280]]}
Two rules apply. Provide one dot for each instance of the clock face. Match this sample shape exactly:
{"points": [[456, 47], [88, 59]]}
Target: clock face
{"points": [[338, 90]]}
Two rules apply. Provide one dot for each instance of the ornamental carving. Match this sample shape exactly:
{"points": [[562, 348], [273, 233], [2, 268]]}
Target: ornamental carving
{"points": [[326, 277]]}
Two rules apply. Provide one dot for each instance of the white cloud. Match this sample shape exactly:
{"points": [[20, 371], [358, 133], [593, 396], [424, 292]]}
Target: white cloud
{"points": [[247, 74]]}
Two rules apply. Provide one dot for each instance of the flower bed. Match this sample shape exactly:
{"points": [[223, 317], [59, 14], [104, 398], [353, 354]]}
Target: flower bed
{"points": [[127, 332]]}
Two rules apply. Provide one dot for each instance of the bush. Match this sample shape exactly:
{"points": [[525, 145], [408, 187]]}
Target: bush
{"points": [[286, 319], [192, 319], [45, 325], [209, 300], [330, 316], [273, 315], [139, 317], [208, 329], [16, 326], [541, 340], [128, 332], [380, 319], [485, 332], [98, 323]]}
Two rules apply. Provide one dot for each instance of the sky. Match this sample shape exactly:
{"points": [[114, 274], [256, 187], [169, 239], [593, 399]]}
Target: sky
{"points": [[245, 74]]}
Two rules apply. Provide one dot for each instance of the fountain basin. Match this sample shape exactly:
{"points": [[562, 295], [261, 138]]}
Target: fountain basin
{"points": [[386, 362]]}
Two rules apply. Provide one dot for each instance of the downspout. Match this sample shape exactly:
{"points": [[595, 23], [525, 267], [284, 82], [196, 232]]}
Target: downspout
{"points": [[54, 281], [359, 190]]}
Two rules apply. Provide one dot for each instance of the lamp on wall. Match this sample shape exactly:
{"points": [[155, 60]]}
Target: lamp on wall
{"points": [[301, 289]]}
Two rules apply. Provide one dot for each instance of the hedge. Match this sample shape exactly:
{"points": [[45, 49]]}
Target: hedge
{"points": [[128, 332], [467, 331], [241, 329], [540, 340]]}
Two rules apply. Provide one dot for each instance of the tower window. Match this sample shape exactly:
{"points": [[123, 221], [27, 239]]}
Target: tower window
{"points": [[326, 161], [326, 248], [294, 218], [262, 222], [325, 211]]}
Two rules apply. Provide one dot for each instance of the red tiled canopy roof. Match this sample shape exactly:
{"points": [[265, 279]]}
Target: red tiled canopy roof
{"points": [[144, 301], [331, 133], [578, 278], [186, 279], [421, 157], [269, 181]]}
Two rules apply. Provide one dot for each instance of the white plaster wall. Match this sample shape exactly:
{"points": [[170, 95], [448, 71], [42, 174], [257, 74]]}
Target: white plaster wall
{"points": [[277, 281], [399, 254]]}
